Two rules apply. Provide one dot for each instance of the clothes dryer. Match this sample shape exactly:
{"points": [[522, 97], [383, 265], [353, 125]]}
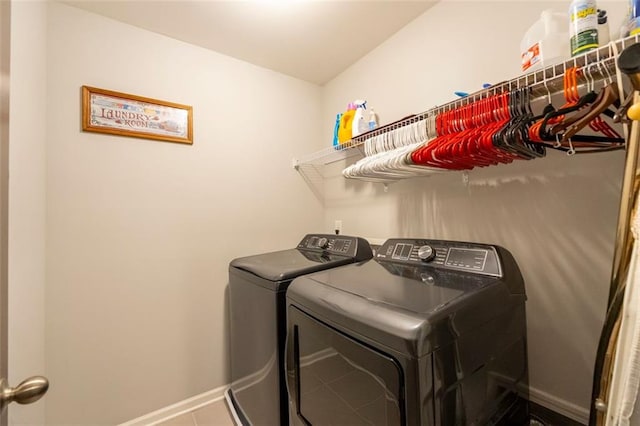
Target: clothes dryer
{"points": [[429, 333], [257, 286]]}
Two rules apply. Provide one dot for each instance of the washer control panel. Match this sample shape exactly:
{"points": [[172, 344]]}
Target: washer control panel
{"points": [[469, 257], [336, 244]]}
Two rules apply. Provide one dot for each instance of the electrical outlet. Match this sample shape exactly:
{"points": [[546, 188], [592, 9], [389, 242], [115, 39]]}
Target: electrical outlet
{"points": [[338, 227]]}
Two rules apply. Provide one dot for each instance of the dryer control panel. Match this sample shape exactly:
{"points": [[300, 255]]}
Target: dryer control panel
{"points": [[468, 257], [335, 244]]}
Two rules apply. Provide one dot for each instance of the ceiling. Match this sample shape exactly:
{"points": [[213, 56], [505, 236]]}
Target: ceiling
{"points": [[310, 40]]}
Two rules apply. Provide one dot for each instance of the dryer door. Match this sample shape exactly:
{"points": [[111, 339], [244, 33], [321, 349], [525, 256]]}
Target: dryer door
{"points": [[334, 379]]}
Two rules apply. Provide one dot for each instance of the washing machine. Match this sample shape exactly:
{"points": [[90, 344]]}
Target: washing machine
{"points": [[429, 332], [257, 286]]}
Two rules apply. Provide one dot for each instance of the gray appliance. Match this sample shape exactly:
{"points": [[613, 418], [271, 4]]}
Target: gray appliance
{"points": [[427, 333], [257, 286]]}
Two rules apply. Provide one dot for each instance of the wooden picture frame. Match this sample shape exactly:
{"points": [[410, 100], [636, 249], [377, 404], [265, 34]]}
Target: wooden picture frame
{"points": [[116, 113]]}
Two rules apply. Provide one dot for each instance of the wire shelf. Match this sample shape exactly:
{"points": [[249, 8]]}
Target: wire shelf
{"points": [[599, 63], [332, 154]]}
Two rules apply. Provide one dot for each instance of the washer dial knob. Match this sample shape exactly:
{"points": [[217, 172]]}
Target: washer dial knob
{"points": [[323, 243], [426, 253]]}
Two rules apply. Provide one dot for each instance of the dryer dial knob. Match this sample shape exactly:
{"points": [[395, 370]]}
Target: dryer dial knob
{"points": [[323, 243], [426, 253]]}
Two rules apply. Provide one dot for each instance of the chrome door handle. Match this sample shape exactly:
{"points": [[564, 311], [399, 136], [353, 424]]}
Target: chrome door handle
{"points": [[27, 392]]}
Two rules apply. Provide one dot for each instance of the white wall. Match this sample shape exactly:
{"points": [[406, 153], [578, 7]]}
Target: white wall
{"points": [[556, 215], [27, 202], [140, 233]]}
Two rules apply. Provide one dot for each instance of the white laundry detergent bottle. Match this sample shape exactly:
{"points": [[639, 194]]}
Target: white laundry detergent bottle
{"points": [[360, 123], [546, 42]]}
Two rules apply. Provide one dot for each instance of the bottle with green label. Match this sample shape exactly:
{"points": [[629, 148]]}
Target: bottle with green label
{"points": [[583, 26]]}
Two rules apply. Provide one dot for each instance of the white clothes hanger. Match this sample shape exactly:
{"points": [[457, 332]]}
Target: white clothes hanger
{"points": [[389, 166], [388, 155]]}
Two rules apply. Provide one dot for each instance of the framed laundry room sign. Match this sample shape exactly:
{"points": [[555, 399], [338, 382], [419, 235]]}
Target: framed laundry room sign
{"points": [[106, 111]]}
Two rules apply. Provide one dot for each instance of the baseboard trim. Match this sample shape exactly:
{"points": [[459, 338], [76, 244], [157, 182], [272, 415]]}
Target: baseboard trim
{"points": [[567, 409], [179, 408]]}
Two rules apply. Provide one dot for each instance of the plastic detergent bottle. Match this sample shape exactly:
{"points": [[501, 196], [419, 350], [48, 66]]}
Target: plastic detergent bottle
{"points": [[604, 37], [346, 121], [632, 26], [336, 128], [546, 42], [373, 119], [360, 124], [583, 26]]}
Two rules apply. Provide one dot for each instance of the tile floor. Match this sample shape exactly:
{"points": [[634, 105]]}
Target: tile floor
{"points": [[214, 414], [345, 394]]}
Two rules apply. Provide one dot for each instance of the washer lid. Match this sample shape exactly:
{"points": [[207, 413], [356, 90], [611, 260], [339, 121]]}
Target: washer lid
{"points": [[288, 264], [315, 252]]}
